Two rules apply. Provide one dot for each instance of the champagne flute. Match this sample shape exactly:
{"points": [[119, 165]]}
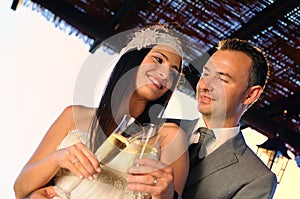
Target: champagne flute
{"points": [[127, 131], [150, 144], [119, 147], [148, 148]]}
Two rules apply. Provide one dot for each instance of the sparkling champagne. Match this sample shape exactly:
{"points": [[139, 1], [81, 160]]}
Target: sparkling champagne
{"points": [[112, 146], [127, 131]]}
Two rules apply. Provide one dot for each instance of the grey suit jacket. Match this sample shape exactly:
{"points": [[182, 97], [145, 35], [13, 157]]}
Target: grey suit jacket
{"points": [[231, 171]]}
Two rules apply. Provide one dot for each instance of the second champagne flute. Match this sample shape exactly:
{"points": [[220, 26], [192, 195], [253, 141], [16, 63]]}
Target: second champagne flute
{"points": [[149, 147]]}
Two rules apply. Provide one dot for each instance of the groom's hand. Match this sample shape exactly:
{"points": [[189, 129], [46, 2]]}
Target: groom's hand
{"points": [[43, 193], [152, 177]]}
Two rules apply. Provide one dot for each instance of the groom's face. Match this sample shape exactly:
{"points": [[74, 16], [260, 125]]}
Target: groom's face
{"points": [[223, 84]]}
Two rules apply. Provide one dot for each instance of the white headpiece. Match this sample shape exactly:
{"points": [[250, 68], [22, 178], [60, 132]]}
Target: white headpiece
{"points": [[153, 35]]}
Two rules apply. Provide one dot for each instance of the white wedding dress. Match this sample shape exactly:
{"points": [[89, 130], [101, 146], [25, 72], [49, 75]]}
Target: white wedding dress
{"points": [[110, 183]]}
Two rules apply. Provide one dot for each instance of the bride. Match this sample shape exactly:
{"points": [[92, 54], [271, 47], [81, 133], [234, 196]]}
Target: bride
{"points": [[140, 85]]}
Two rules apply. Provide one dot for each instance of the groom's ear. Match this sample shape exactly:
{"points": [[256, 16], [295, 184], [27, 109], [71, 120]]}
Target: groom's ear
{"points": [[252, 94]]}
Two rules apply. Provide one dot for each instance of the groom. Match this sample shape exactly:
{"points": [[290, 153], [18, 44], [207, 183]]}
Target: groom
{"points": [[222, 166]]}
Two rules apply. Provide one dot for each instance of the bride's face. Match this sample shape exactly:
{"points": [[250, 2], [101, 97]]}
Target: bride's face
{"points": [[157, 73]]}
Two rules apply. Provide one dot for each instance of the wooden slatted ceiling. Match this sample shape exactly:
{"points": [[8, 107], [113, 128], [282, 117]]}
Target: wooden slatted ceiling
{"points": [[271, 25]]}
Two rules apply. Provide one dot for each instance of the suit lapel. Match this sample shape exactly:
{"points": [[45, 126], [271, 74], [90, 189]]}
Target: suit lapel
{"points": [[222, 157]]}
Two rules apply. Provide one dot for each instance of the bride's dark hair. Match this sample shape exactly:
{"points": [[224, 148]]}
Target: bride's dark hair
{"points": [[103, 122]]}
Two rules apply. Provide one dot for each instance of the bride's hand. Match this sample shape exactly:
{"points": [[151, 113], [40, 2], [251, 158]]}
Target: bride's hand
{"points": [[152, 177], [79, 160]]}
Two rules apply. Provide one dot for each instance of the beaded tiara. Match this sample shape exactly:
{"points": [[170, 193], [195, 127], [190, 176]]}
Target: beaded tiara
{"points": [[153, 35]]}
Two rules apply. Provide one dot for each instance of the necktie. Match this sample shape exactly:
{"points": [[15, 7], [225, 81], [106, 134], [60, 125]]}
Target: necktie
{"points": [[209, 138], [197, 150]]}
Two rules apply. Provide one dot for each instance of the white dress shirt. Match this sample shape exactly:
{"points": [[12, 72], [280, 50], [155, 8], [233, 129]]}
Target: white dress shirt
{"points": [[221, 134]]}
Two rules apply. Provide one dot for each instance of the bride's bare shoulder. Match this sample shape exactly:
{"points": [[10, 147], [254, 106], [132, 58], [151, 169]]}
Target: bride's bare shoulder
{"points": [[83, 109], [78, 116], [79, 112]]}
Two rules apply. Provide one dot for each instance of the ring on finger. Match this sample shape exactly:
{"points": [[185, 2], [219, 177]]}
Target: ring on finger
{"points": [[154, 181], [75, 161]]}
